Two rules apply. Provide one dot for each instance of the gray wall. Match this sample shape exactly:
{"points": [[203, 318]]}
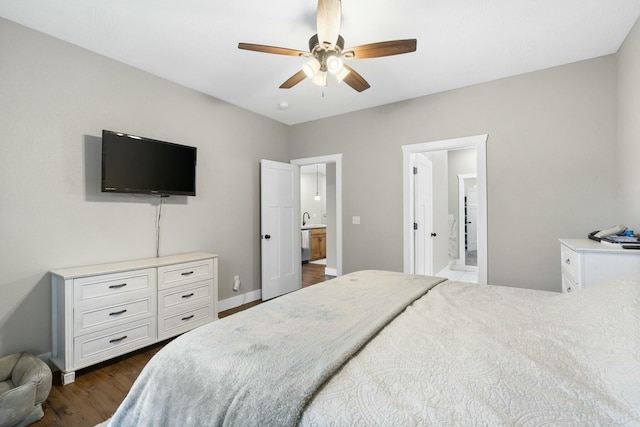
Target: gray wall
{"points": [[629, 128], [55, 100], [549, 132]]}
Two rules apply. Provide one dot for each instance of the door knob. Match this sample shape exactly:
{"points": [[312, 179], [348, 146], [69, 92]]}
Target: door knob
{"points": [[267, 236], [433, 234]]}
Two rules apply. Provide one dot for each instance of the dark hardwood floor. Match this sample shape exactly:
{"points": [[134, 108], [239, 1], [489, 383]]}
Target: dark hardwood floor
{"points": [[99, 390], [96, 393], [312, 274]]}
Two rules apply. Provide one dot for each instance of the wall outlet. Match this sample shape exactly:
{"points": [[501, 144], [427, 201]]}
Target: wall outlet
{"points": [[236, 283]]}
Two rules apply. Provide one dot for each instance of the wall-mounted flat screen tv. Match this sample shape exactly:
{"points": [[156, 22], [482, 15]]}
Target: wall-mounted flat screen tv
{"points": [[133, 164]]}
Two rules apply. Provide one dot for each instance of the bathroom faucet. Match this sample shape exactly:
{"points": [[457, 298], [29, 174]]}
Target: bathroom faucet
{"points": [[304, 222]]}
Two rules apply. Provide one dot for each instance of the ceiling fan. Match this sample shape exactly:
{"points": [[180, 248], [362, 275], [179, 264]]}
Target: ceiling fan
{"points": [[326, 51]]}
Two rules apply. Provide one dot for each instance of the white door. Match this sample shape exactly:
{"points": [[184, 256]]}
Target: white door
{"points": [[423, 217], [472, 218], [279, 228]]}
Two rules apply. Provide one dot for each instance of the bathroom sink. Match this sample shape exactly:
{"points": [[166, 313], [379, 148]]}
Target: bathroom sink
{"points": [[310, 226]]}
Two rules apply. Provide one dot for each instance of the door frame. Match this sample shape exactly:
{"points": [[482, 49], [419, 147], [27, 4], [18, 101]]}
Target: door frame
{"points": [[337, 159], [479, 142]]}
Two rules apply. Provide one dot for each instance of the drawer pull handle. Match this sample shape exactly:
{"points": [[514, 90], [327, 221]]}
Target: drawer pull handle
{"points": [[188, 295], [115, 313], [568, 261], [188, 317], [117, 339], [121, 285], [187, 273]]}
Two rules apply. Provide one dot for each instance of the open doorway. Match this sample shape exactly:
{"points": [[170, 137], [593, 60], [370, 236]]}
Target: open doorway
{"points": [[315, 187], [447, 232], [467, 241], [321, 216]]}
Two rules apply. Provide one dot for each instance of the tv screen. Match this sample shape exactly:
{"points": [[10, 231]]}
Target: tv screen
{"points": [[132, 164]]}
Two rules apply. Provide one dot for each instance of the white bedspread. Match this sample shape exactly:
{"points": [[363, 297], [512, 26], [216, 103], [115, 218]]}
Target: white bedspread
{"points": [[468, 355]]}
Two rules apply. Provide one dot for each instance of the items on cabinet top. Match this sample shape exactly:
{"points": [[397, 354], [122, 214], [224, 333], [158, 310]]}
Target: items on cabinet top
{"points": [[618, 235]]}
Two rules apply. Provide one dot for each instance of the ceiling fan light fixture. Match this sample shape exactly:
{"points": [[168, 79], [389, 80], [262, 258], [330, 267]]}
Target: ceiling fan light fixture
{"points": [[334, 64], [320, 78], [311, 68], [327, 52]]}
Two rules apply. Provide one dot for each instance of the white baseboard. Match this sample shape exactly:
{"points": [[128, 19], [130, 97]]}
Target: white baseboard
{"points": [[330, 271], [45, 357], [237, 301]]}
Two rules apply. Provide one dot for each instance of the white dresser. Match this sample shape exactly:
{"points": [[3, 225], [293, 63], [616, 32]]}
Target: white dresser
{"points": [[103, 311], [586, 262]]}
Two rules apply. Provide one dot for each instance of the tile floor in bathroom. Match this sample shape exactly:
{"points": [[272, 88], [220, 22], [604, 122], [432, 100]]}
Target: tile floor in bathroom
{"points": [[460, 276]]}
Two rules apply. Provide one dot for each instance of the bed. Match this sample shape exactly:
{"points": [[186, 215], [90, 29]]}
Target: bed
{"points": [[377, 348]]}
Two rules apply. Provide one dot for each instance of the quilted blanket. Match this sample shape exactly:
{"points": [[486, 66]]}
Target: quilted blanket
{"points": [[470, 355], [262, 366]]}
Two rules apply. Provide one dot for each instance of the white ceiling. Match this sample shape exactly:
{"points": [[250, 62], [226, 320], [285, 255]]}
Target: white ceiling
{"points": [[460, 43]]}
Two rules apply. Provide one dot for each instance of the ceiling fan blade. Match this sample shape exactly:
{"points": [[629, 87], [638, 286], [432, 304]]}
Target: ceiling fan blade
{"points": [[328, 21], [377, 50], [271, 49], [355, 80], [294, 80]]}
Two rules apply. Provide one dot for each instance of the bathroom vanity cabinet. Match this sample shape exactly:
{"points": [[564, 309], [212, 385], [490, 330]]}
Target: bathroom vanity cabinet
{"points": [[318, 243]]}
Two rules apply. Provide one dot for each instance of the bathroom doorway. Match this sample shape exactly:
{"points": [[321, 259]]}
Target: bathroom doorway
{"points": [[447, 237], [467, 259], [321, 214]]}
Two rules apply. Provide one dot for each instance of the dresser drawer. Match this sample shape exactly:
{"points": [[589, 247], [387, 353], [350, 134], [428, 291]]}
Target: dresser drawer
{"points": [[91, 319], [102, 345], [87, 290], [172, 298], [568, 285], [180, 274], [173, 324], [570, 263]]}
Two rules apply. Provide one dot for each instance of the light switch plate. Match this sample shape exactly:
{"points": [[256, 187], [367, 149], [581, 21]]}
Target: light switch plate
{"points": [[356, 220]]}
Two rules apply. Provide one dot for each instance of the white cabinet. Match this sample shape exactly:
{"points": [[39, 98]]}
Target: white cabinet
{"points": [[586, 262], [102, 311]]}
